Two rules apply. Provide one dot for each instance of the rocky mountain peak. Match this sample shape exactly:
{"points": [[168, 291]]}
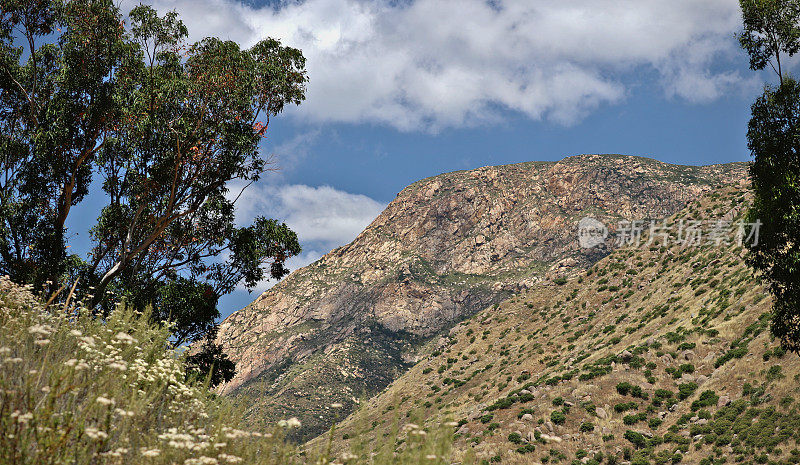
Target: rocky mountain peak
{"points": [[446, 247]]}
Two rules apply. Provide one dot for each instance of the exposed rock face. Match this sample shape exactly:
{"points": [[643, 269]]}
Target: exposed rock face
{"points": [[445, 248]]}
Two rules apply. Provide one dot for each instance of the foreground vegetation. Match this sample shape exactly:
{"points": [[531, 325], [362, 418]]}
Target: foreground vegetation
{"points": [[78, 390]]}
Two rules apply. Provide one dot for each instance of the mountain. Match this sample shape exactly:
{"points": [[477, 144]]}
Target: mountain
{"points": [[344, 327], [656, 354]]}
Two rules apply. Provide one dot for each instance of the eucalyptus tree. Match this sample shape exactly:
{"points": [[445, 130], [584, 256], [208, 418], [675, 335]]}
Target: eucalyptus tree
{"points": [[164, 128]]}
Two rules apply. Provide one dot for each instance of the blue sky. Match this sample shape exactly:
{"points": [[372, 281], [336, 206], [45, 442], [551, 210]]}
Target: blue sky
{"points": [[404, 90]]}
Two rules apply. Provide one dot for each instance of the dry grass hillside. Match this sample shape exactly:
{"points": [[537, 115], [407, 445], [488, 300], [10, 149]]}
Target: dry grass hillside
{"points": [[654, 355]]}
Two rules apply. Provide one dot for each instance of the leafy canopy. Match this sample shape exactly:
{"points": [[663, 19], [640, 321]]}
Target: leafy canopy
{"points": [[772, 28], [165, 128]]}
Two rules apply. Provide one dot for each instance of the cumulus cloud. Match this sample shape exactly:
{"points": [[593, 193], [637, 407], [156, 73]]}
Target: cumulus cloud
{"points": [[429, 64], [322, 216]]}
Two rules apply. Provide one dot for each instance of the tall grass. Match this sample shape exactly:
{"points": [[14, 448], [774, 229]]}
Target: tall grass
{"points": [[75, 389]]}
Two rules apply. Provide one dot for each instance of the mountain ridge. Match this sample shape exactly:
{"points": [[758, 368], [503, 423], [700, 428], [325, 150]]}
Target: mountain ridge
{"points": [[658, 353], [446, 247]]}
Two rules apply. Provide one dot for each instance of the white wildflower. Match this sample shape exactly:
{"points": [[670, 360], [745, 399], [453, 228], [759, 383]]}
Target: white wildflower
{"points": [[75, 332], [71, 362], [105, 401], [125, 338], [118, 365], [149, 452], [22, 417], [410, 426], [293, 422], [201, 461], [44, 330], [230, 458], [123, 413], [41, 342], [95, 433], [336, 405]]}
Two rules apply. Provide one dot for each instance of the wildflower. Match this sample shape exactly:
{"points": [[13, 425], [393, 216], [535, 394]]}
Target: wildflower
{"points": [[82, 366], [88, 340], [118, 366], [95, 433], [230, 458], [75, 332], [410, 426], [336, 405], [349, 456], [13, 360], [149, 452], [220, 445], [45, 389], [71, 362], [5, 350], [41, 342], [33, 372], [44, 330], [124, 338], [201, 461], [431, 456], [123, 413], [105, 401], [22, 417], [451, 423], [293, 422]]}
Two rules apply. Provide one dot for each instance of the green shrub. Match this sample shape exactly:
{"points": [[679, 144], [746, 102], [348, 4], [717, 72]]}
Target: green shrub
{"points": [[685, 390], [558, 417], [624, 388], [706, 399], [637, 439]]}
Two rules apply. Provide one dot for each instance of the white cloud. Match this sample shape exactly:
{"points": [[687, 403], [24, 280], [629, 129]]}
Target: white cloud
{"points": [[428, 64], [323, 216]]}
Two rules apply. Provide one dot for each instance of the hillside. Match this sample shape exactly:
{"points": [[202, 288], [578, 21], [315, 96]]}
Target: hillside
{"points": [[343, 328], [653, 355]]}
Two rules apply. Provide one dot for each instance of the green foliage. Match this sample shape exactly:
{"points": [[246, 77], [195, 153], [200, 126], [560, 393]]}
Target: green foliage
{"points": [[707, 398], [685, 390], [637, 439], [770, 29], [169, 127], [558, 417]]}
